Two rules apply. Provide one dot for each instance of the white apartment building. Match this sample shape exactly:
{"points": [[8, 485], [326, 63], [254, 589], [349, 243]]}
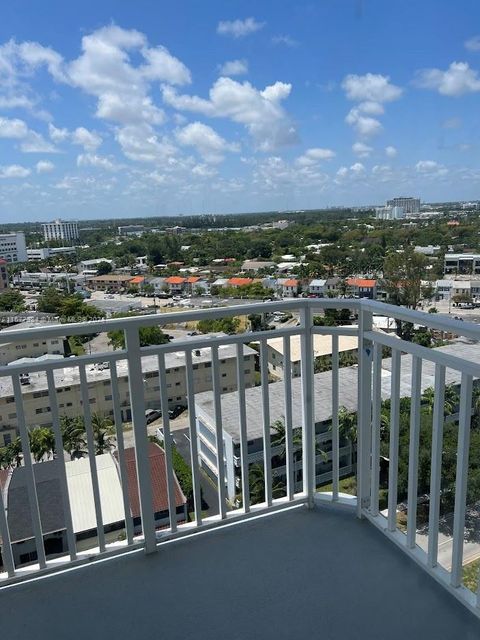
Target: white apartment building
{"points": [[131, 230], [13, 247], [60, 230], [389, 213], [36, 401], [28, 348], [409, 205], [322, 346], [466, 263], [46, 252]]}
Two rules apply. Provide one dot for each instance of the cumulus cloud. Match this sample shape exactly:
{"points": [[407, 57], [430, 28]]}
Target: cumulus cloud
{"points": [[56, 134], [139, 142], [44, 166], [94, 160], [361, 149], [371, 88], [390, 151], [14, 171], [473, 43], [209, 144], [13, 128], [234, 68], [457, 80], [314, 155], [371, 91], [89, 140], [260, 112], [239, 28], [430, 167], [35, 143]]}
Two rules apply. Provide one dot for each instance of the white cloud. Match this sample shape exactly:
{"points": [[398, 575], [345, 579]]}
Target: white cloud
{"points": [[362, 150], [44, 166], [357, 168], [13, 128], [35, 55], [285, 40], [452, 123], [56, 134], [390, 151], [94, 160], [457, 80], [164, 67], [206, 141], [14, 171], [473, 43], [239, 28], [204, 171], [365, 126], [35, 143], [89, 140], [141, 143], [371, 88], [260, 112], [371, 91], [234, 68], [313, 156], [430, 167]]}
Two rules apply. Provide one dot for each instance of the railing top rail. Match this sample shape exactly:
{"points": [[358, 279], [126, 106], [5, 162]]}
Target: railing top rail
{"points": [[467, 329]]}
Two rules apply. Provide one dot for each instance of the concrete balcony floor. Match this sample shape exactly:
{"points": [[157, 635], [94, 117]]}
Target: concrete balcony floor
{"points": [[294, 574]]}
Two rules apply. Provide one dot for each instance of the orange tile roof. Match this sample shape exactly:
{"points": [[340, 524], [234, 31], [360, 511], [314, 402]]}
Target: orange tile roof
{"points": [[290, 283], [175, 280], [192, 279], [137, 280], [361, 282], [240, 282]]}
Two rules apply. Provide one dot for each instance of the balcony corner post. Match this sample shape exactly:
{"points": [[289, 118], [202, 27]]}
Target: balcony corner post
{"points": [[308, 412], [364, 415], [137, 403]]}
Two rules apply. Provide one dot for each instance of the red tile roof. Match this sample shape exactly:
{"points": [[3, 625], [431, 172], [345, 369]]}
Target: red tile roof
{"points": [[361, 282], [158, 478], [137, 280], [290, 283], [175, 280], [239, 282], [192, 279]]}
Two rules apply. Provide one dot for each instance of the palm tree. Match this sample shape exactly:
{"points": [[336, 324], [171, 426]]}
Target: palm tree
{"points": [[103, 433], [42, 443], [73, 436], [14, 454], [256, 480], [280, 439]]}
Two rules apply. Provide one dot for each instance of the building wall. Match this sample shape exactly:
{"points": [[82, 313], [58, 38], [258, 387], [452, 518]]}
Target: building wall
{"points": [[59, 230], [3, 276], [12, 247], [11, 351], [37, 408]]}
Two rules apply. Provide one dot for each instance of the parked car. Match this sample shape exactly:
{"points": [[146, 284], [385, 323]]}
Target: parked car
{"points": [[176, 411], [152, 414]]}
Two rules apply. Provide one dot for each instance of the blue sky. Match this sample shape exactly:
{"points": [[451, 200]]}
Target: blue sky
{"points": [[116, 108]]}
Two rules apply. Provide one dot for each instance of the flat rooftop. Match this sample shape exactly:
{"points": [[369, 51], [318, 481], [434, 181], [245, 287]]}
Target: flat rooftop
{"points": [[295, 574], [322, 345], [347, 380]]}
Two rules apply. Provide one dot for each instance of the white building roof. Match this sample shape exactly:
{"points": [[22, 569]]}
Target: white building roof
{"points": [[80, 492], [317, 283], [322, 345]]}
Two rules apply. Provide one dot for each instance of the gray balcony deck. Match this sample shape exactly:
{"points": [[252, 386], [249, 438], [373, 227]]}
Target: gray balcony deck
{"points": [[294, 574]]}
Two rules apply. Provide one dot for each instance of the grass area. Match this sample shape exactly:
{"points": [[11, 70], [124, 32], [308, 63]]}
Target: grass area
{"points": [[345, 485], [470, 575], [76, 348]]}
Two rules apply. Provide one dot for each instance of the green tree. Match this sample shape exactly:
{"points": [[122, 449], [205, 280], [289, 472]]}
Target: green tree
{"points": [[50, 301], [42, 443], [12, 300], [73, 436], [147, 336], [103, 268], [256, 481], [103, 434], [223, 325]]}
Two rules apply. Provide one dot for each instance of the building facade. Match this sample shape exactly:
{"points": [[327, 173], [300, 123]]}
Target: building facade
{"points": [[28, 348], [466, 263], [13, 247], [60, 230], [409, 205], [3, 275], [389, 213]]}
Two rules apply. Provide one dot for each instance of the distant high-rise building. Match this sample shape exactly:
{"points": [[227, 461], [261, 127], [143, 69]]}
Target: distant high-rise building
{"points": [[13, 247], [60, 230], [389, 213], [409, 205]]}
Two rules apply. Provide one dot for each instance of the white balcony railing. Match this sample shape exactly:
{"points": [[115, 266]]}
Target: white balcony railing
{"points": [[370, 390]]}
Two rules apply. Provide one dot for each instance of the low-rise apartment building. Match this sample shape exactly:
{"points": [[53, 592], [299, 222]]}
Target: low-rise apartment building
{"points": [[317, 287], [109, 282], [361, 288], [462, 263], [36, 400], [28, 348]]}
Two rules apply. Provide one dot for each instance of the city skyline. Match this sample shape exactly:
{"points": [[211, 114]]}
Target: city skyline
{"points": [[139, 111]]}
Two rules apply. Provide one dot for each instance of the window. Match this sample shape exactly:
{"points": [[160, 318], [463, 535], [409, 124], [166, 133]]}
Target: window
{"points": [[224, 375], [248, 370], [177, 384], [207, 365], [109, 397], [12, 416]]}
